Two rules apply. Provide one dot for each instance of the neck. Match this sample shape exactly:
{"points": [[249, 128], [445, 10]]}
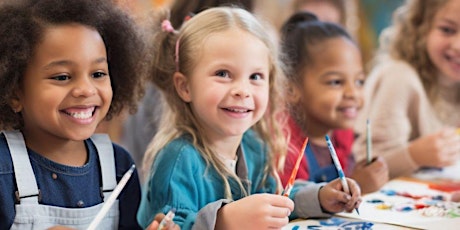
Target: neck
{"points": [[62, 151], [316, 132], [226, 147]]}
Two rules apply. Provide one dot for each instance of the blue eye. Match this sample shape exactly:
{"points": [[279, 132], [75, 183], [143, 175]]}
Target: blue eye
{"points": [[256, 76], [222, 73]]}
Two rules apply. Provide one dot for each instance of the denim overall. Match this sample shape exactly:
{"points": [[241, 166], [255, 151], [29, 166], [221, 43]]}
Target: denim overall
{"points": [[319, 174], [32, 215]]}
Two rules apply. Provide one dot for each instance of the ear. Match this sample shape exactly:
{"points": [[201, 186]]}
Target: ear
{"points": [[293, 94], [182, 86], [15, 103]]}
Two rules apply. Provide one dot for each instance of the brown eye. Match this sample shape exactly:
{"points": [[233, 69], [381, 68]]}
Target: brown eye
{"points": [[99, 74], [61, 77]]}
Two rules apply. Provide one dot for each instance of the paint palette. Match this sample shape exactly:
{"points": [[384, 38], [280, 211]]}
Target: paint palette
{"points": [[336, 223], [411, 204]]}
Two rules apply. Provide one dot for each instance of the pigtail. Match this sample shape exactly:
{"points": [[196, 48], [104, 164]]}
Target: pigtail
{"points": [[164, 38]]}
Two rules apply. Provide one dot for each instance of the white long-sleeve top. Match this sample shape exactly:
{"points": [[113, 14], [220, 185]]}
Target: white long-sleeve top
{"points": [[400, 111]]}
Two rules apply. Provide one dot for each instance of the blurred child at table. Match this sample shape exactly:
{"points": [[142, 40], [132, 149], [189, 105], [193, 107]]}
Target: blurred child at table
{"points": [[65, 67], [413, 91], [326, 10], [219, 74], [325, 93]]}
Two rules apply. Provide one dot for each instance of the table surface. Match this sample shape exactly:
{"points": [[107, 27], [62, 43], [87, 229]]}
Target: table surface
{"points": [[411, 203]]}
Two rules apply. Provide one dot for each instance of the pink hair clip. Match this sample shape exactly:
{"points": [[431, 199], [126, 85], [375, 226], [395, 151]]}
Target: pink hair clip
{"points": [[166, 26]]}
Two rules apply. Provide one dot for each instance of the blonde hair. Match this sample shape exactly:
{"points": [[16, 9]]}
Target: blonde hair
{"points": [[408, 39], [178, 118]]}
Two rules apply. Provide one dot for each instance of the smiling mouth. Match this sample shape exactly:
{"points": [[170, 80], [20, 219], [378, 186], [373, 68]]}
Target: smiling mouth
{"points": [[87, 113], [238, 110]]}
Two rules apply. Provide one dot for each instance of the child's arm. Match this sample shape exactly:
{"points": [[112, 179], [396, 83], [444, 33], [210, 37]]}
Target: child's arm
{"points": [[305, 196], [258, 211], [371, 176], [182, 180]]}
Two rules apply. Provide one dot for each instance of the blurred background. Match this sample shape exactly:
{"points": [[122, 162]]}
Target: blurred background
{"points": [[364, 19]]}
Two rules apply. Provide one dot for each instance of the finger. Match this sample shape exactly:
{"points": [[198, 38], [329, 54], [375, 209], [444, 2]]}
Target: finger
{"points": [[153, 226], [341, 196], [277, 223], [159, 217], [282, 202], [280, 212]]}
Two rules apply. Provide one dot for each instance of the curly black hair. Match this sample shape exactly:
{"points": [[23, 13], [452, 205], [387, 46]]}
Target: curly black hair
{"points": [[22, 26]]}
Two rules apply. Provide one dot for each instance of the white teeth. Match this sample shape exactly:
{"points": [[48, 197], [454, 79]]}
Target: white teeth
{"points": [[238, 110], [82, 115]]}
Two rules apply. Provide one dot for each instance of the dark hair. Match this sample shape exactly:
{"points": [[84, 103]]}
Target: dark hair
{"points": [[183, 8], [338, 4], [22, 25], [299, 33]]}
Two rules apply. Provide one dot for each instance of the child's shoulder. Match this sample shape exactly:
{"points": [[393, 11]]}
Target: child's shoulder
{"points": [[252, 139], [390, 68], [180, 148], [6, 164], [253, 144], [394, 74]]}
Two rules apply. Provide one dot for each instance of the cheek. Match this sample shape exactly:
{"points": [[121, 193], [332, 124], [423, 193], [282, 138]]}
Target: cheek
{"points": [[106, 91], [360, 98], [262, 99], [432, 45]]}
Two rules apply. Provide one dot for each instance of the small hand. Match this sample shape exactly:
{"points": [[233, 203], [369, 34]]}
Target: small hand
{"points": [[333, 199]]}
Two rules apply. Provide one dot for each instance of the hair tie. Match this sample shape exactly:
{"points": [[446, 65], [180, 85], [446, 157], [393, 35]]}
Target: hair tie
{"points": [[166, 26]]}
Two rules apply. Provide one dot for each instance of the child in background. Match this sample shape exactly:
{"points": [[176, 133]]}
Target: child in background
{"points": [[326, 10], [219, 74], [414, 90], [325, 83], [65, 66]]}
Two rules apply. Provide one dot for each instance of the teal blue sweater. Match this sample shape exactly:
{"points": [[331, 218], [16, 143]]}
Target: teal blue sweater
{"points": [[180, 179]]}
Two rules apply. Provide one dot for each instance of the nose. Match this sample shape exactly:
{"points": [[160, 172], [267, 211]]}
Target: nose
{"points": [[351, 90], [83, 87], [241, 89]]}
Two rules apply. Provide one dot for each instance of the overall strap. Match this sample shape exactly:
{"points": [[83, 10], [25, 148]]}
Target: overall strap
{"points": [[107, 160], [313, 165], [24, 175]]}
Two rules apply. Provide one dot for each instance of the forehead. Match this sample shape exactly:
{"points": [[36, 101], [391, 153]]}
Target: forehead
{"points": [[70, 34], [69, 41], [235, 44], [449, 10]]}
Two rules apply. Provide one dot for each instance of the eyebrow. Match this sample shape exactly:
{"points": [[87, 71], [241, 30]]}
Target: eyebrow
{"points": [[68, 62], [448, 20]]}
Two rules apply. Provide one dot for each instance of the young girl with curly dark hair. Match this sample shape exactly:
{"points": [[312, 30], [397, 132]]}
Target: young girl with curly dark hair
{"points": [[65, 66]]}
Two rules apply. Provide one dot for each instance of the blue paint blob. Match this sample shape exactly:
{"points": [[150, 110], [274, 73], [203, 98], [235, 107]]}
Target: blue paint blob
{"points": [[389, 192], [361, 225], [332, 222], [375, 201]]}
